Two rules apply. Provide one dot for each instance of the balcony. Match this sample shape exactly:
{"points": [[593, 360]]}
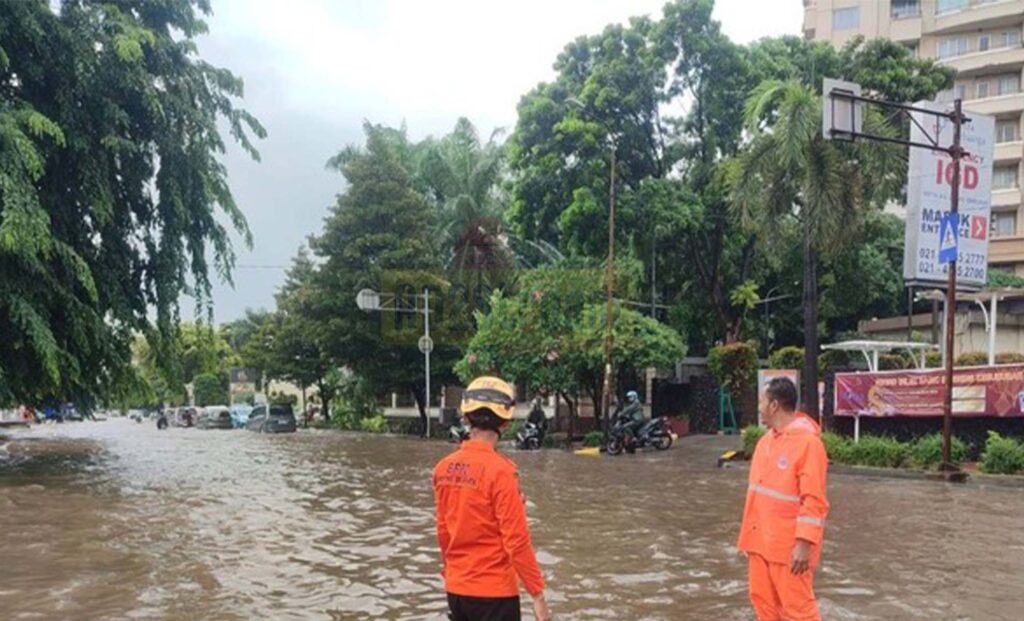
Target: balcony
{"points": [[1009, 249], [1009, 151], [980, 15], [1005, 198], [906, 29], [1002, 60], [1000, 104]]}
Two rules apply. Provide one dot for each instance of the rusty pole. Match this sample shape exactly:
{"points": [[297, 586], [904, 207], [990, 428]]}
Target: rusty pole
{"points": [[956, 152], [606, 390]]}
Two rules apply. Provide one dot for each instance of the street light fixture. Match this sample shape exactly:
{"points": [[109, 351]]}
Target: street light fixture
{"points": [[369, 300]]}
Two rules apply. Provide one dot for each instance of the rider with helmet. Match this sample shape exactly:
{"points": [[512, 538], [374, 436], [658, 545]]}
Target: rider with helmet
{"points": [[633, 418]]}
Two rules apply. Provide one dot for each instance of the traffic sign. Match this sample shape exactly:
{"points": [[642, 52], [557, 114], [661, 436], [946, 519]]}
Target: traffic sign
{"points": [[949, 237], [426, 344]]}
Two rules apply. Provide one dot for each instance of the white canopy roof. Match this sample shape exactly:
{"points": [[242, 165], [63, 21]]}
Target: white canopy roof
{"points": [[872, 349]]}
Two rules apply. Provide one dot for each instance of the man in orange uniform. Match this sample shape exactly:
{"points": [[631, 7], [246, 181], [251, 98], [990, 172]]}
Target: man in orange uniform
{"points": [[784, 518], [481, 516]]}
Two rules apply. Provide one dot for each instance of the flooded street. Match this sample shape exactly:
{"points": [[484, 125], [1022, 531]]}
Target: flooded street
{"points": [[116, 520]]}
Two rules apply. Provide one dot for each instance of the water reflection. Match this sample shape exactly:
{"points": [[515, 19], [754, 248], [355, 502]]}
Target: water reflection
{"points": [[119, 521]]}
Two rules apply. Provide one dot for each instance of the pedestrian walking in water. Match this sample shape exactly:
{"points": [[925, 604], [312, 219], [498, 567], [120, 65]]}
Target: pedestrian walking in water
{"points": [[481, 516], [784, 517]]}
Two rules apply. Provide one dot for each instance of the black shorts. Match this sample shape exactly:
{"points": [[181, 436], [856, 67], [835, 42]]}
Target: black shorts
{"points": [[465, 608]]}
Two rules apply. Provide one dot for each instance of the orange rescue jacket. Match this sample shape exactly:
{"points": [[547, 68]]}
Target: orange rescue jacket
{"points": [[481, 525], [786, 493]]}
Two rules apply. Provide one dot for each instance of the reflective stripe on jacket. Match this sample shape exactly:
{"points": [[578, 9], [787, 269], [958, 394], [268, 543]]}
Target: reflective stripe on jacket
{"points": [[786, 493], [481, 525]]}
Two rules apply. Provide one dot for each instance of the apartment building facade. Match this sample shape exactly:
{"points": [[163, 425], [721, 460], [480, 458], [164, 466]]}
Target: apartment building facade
{"points": [[981, 40]]}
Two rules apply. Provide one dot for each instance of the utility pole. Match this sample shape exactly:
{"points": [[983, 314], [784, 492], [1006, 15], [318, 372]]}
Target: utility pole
{"points": [[956, 152], [606, 391]]}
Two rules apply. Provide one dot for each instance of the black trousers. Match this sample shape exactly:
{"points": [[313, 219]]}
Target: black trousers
{"points": [[463, 608]]}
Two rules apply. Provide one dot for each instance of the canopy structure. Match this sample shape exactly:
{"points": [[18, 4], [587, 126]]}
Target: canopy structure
{"points": [[988, 299], [873, 349]]}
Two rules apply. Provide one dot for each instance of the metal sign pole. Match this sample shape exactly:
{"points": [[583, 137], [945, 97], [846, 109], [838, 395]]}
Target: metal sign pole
{"points": [[426, 354], [956, 152]]}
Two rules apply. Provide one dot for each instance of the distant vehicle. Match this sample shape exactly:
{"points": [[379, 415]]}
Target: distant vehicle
{"points": [[276, 419], [183, 417], [215, 417], [240, 414]]}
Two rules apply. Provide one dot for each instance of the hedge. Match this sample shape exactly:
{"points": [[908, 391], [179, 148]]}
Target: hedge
{"points": [[750, 435], [1002, 455], [787, 358]]}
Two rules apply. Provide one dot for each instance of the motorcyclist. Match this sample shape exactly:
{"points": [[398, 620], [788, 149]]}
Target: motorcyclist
{"points": [[537, 417], [633, 419]]}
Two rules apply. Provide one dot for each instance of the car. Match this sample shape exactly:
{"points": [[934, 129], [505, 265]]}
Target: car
{"points": [[271, 419], [215, 417], [240, 414]]}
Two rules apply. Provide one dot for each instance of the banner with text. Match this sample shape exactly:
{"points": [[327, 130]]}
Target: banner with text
{"points": [[977, 391], [929, 188]]}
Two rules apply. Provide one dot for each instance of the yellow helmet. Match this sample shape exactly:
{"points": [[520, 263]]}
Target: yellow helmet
{"points": [[489, 393]]}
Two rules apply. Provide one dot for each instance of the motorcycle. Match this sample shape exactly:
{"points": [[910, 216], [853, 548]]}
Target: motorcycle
{"points": [[654, 433], [458, 433], [529, 437]]}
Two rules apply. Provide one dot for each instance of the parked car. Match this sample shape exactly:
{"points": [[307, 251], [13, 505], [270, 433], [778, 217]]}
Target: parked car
{"points": [[275, 419], [215, 417], [240, 414]]}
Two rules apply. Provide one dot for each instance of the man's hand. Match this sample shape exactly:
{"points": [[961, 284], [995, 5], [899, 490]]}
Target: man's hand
{"points": [[801, 557], [540, 608]]}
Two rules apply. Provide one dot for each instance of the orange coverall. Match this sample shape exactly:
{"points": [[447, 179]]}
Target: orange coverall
{"points": [[481, 525], [785, 502]]}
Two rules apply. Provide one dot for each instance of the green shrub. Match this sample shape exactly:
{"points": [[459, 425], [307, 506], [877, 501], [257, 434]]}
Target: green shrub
{"points": [[833, 360], [878, 451], [894, 362], [210, 389], [374, 424], [1002, 455], [554, 440], [837, 447], [787, 358], [971, 359], [734, 366], [1009, 357], [514, 428], [933, 360], [280, 398], [593, 438], [750, 435], [926, 451]]}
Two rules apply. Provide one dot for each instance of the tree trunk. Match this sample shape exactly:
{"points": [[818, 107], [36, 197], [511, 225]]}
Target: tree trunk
{"points": [[418, 396], [810, 301], [325, 402]]}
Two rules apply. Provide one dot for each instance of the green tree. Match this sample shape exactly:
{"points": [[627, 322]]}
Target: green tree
{"points": [[210, 389], [110, 187], [790, 173], [378, 235]]}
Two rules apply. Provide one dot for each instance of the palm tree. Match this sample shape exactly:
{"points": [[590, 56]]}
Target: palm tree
{"points": [[789, 171]]}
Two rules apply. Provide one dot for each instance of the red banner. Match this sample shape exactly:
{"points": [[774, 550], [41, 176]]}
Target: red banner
{"points": [[977, 391]]}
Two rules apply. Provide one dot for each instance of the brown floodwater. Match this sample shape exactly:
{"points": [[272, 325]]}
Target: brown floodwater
{"points": [[116, 520]]}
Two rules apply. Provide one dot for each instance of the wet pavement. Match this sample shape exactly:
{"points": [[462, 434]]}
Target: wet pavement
{"points": [[116, 520]]}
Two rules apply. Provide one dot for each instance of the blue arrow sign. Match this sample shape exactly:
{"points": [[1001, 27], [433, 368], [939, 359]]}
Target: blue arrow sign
{"points": [[949, 237]]}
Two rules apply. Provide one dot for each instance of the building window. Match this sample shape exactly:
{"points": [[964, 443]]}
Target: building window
{"points": [[953, 46], [846, 19], [1006, 131], [902, 9], [982, 90], [1011, 38], [1004, 177], [1009, 84], [1004, 223], [984, 41], [948, 6]]}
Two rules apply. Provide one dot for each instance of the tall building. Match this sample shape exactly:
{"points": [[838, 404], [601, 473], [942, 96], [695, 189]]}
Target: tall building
{"points": [[981, 39]]}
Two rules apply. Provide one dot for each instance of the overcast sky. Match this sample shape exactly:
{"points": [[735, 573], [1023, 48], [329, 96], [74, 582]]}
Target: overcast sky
{"points": [[315, 69]]}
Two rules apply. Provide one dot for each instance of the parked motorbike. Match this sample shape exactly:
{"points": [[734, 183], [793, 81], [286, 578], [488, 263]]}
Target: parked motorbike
{"points": [[529, 437], [654, 433]]}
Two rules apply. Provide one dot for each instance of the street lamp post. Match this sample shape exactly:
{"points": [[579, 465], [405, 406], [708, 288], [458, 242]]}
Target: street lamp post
{"points": [[369, 300]]}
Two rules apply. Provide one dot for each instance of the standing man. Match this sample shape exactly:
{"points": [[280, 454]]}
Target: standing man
{"points": [[784, 518], [481, 516]]}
